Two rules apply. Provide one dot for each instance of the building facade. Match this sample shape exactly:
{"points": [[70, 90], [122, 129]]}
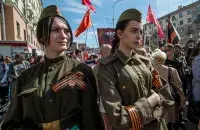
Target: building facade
{"points": [[186, 20], [21, 17]]}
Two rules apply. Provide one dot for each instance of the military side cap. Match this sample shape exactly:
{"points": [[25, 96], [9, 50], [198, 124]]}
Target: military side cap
{"points": [[50, 11], [131, 14], [178, 46]]}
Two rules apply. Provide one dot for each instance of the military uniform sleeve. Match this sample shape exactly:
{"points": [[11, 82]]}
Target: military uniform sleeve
{"points": [[88, 70], [14, 115], [112, 102], [91, 119], [118, 115]]}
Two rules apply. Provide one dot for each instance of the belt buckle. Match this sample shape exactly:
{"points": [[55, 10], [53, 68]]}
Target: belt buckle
{"points": [[55, 125]]}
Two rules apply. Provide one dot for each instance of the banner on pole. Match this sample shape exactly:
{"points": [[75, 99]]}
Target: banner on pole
{"points": [[105, 35]]}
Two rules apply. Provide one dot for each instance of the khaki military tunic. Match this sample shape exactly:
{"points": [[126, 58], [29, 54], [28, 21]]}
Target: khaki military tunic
{"points": [[34, 101], [125, 81]]}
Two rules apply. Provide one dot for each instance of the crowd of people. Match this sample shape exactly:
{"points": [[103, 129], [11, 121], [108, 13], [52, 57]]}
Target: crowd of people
{"points": [[123, 88]]}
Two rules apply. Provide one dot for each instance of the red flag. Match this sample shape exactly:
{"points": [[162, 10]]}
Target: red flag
{"points": [[152, 18], [88, 4], [85, 24]]}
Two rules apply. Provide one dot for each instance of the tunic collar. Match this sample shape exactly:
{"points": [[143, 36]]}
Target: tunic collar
{"points": [[125, 59]]}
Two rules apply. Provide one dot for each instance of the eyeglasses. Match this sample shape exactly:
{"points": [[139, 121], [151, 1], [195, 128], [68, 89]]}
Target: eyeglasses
{"points": [[167, 50]]}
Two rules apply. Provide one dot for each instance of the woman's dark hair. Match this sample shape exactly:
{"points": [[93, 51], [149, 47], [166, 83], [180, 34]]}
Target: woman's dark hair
{"points": [[189, 52], [43, 30], [1, 58], [77, 51], [196, 50], [120, 26]]}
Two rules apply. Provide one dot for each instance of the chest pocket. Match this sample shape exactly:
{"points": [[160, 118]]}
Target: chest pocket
{"points": [[27, 93], [29, 100]]}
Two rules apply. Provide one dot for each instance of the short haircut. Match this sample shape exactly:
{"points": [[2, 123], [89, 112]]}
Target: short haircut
{"points": [[169, 46], [159, 57], [105, 46], [18, 56], [77, 51]]}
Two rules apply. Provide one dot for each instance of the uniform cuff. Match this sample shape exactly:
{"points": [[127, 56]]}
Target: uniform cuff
{"points": [[135, 119]]}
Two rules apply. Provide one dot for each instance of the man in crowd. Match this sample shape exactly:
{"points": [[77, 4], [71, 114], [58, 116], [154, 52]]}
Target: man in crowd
{"points": [[178, 64], [79, 55], [16, 67], [104, 51]]}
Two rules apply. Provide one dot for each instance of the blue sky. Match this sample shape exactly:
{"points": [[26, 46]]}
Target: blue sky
{"points": [[74, 11]]}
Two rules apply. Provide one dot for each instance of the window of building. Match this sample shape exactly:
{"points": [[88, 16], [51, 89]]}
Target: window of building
{"points": [[145, 27], [29, 38], [34, 43], [180, 15], [181, 22], [18, 29], [181, 30], [198, 17], [198, 8], [166, 20], [149, 26], [23, 11], [173, 18], [160, 22], [24, 35], [174, 24], [189, 12], [189, 20], [189, 27], [16, 2]]}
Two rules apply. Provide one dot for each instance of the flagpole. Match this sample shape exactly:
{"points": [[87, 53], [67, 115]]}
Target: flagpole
{"points": [[94, 33], [86, 36]]}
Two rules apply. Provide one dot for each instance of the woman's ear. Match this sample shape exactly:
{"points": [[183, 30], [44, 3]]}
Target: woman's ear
{"points": [[119, 34]]}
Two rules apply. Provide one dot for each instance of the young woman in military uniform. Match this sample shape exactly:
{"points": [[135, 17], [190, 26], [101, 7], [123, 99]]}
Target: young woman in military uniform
{"points": [[125, 81], [59, 93]]}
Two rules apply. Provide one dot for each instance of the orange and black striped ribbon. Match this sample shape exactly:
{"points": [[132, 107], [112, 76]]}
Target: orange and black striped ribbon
{"points": [[76, 77], [173, 36], [156, 79], [135, 119]]}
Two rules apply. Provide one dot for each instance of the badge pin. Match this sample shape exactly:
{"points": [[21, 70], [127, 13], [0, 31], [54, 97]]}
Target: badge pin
{"points": [[72, 83]]}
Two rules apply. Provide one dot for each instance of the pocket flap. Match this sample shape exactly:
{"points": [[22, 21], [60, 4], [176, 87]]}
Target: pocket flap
{"points": [[28, 91]]}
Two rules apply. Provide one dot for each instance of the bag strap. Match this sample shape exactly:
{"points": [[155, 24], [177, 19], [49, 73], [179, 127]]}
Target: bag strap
{"points": [[169, 75]]}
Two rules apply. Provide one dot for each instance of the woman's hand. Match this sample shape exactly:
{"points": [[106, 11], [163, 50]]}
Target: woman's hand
{"points": [[153, 100]]}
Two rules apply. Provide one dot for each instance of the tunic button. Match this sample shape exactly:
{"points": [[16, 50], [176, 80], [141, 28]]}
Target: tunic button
{"points": [[51, 68], [50, 100]]}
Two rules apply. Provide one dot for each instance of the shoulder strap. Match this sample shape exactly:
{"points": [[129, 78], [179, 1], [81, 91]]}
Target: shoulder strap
{"points": [[170, 76], [107, 59]]}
